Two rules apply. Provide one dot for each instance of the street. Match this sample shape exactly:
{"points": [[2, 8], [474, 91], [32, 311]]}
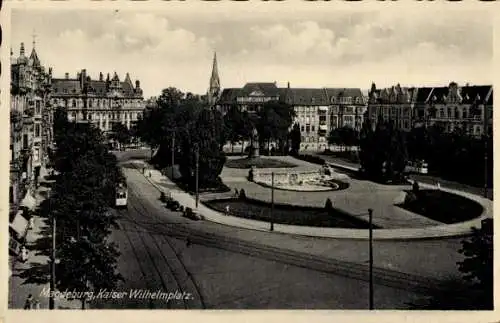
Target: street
{"points": [[155, 256]]}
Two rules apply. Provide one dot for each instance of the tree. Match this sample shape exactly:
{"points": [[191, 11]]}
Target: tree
{"points": [[334, 137], [274, 121], [477, 266], [121, 133], [203, 137], [383, 153], [79, 202], [295, 139]]}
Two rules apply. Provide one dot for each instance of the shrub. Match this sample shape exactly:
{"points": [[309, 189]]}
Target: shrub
{"points": [[415, 187], [243, 195], [410, 197], [328, 204]]}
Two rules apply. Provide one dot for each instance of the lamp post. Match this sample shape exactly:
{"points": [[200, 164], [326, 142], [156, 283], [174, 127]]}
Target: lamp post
{"points": [[272, 202], [173, 159], [53, 265], [196, 174], [485, 133], [370, 213]]}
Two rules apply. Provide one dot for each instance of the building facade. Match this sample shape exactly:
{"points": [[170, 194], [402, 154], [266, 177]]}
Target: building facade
{"points": [[30, 136], [317, 110], [395, 103], [102, 102], [469, 108]]}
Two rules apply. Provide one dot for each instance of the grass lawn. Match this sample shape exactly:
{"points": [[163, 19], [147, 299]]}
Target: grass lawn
{"points": [[443, 206], [258, 162], [288, 214]]}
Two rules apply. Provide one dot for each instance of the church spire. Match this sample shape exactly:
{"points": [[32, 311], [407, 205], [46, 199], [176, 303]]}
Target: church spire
{"points": [[214, 90]]}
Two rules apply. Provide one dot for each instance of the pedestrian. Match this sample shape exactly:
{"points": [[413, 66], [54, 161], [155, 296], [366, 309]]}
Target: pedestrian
{"points": [[188, 242], [37, 305], [227, 210], [149, 174], [235, 192], [29, 302], [438, 186], [24, 254]]}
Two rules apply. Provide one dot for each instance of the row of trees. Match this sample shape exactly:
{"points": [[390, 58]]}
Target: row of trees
{"points": [[87, 175], [272, 122], [196, 133], [344, 137], [455, 156], [383, 154]]}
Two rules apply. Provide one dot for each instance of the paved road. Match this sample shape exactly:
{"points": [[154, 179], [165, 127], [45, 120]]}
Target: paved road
{"points": [[155, 256], [427, 179]]}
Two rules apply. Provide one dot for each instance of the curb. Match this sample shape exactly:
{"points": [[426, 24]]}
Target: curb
{"points": [[434, 232]]}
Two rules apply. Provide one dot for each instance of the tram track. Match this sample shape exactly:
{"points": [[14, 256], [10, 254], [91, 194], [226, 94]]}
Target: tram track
{"points": [[357, 271], [183, 285]]}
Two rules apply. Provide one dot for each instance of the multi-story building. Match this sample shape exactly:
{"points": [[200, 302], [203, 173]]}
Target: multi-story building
{"points": [[30, 135], [395, 103], [469, 108], [102, 102], [317, 110]]}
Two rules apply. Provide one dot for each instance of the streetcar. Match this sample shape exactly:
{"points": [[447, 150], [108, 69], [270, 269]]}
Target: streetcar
{"points": [[121, 195]]}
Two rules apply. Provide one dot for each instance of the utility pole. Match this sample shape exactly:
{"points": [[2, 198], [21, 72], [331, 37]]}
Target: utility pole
{"points": [[272, 202], [173, 159], [370, 212], [197, 169], [53, 264], [485, 134]]}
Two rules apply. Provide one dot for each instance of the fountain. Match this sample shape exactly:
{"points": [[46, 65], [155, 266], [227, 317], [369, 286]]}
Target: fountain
{"points": [[324, 179]]}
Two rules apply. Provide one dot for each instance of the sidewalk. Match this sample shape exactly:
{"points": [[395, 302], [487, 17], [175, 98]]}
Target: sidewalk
{"points": [[164, 184], [18, 290]]}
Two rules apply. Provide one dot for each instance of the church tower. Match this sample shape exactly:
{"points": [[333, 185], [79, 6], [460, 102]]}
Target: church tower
{"points": [[214, 89]]}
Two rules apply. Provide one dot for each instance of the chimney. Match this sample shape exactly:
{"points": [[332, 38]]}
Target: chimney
{"points": [[83, 77], [137, 84], [66, 76], [22, 49], [101, 77], [288, 85]]}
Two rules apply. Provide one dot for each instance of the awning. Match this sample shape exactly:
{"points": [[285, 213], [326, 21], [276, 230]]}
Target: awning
{"points": [[19, 224], [29, 202], [322, 108]]}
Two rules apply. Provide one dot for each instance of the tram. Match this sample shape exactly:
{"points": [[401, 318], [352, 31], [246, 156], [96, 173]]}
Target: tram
{"points": [[121, 195]]}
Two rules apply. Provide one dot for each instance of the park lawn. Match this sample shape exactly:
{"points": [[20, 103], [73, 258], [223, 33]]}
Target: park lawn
{"points": [[288, 214], [258, 162], [443, 206]]}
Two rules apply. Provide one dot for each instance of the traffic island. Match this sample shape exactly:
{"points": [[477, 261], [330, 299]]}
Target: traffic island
{"points": [[441, 206], [287, 214]]}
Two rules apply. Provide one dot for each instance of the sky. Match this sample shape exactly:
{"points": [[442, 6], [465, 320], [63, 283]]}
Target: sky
{"points": [[308, 48]]}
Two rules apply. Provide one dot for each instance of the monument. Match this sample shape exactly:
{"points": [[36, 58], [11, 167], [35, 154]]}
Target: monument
{"points": [[254, 145]]}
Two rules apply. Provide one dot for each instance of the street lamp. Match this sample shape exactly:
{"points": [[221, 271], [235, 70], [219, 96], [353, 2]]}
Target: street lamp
{"points": [[370, 213], [53, 264], [196, 174], [272, 202]]}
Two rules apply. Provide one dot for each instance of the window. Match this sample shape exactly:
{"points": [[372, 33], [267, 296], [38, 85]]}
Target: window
{"points": [[37, 107], [307, 128], [37, 130], [302, 128], [441, 112], [312, 128], [11, 194], [25, 141], [74, 103]]}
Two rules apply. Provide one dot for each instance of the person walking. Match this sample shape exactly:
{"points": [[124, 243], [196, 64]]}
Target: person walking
{"points": [[36, 305], [28, 304], [227, 210]]}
